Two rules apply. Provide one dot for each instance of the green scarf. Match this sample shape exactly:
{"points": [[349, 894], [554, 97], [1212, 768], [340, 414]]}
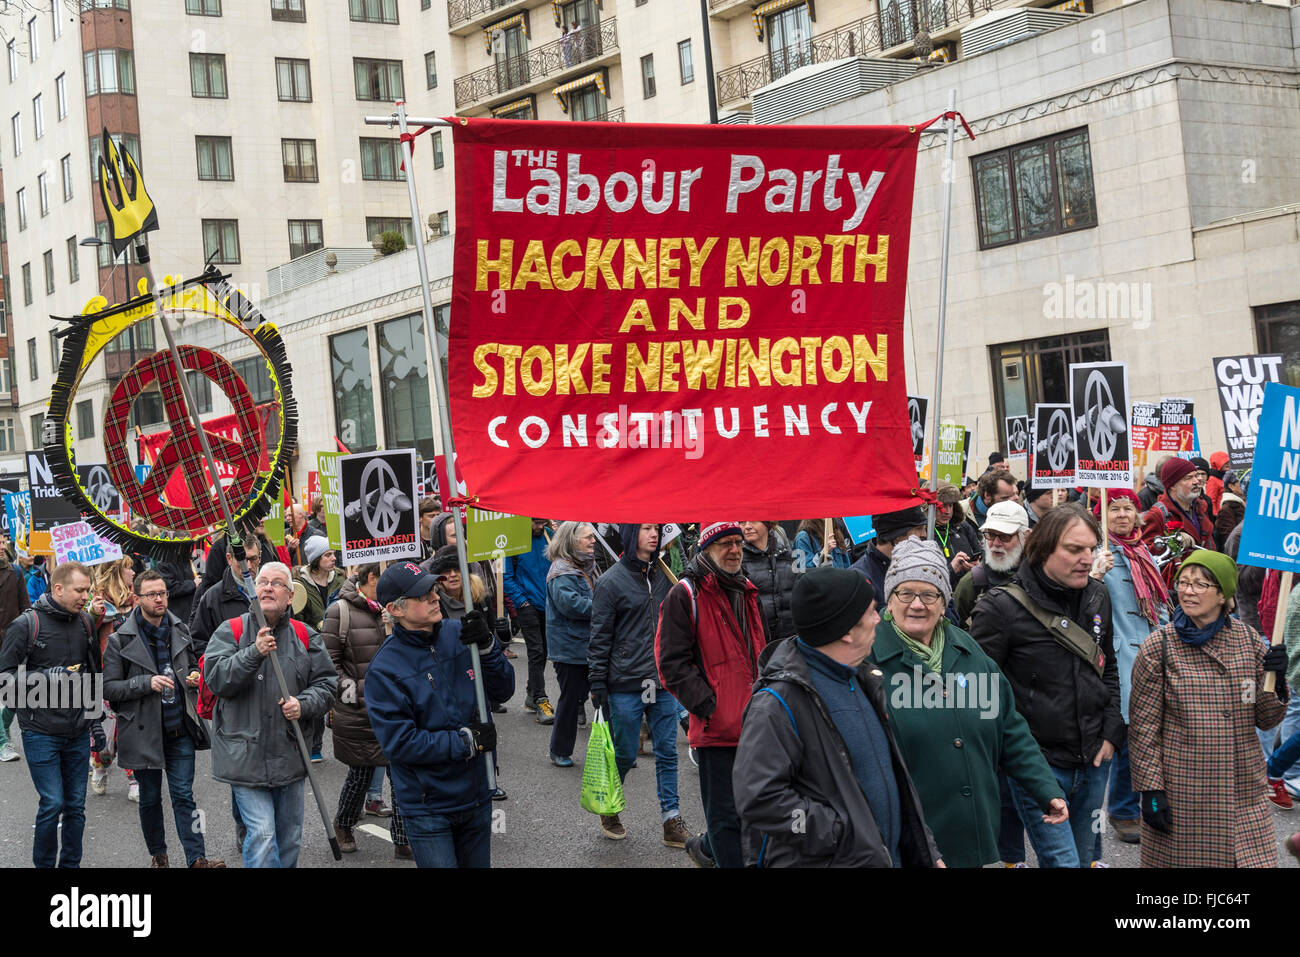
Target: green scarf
{"points": [[932, 656]]}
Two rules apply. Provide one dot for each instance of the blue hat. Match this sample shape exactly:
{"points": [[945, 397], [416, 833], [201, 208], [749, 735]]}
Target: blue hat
{"points": [[405, 580]]}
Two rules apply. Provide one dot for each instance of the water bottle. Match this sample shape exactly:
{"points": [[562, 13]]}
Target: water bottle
{"points": [[169, 694]]}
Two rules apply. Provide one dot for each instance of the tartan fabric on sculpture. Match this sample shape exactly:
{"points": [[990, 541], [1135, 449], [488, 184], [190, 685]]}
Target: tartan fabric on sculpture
{"points": [[1193, 713]]}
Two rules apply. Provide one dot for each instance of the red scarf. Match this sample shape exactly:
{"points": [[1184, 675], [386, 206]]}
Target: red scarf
{"points": [[1147, 583]]}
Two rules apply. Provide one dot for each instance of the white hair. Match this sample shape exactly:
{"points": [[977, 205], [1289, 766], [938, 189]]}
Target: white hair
{"points": [[279, 568]]}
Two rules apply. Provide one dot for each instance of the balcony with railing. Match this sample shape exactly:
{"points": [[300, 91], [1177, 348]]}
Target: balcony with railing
{"points": [[889, 32], [730, 9], [534, 68], [466, 16]]}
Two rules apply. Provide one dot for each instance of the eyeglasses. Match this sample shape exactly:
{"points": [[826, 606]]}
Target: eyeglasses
{"points": [[1195, 587], [273, 583], [153, 595], [928, 598], [731, 544], [993, 536]]}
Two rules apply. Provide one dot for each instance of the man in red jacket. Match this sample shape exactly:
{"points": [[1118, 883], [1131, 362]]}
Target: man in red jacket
{"points": [[707, 647], [1180, 509]]}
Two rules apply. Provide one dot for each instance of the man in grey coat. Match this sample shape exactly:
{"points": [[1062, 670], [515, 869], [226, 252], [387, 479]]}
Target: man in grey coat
{"points": [[151, 678], [253, 744]]}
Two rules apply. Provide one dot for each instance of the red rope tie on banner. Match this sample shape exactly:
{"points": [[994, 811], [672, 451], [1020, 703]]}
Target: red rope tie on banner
{"points": [[946, 115], [459, 502], [926, 495], [405, 137]]}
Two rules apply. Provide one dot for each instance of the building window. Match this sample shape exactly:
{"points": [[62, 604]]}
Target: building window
{"points": [[686, 62], [4, 237], [354, 407], [378, 225], [203, 8], [789, 40], [47, 260], [373, 11], [38, 426], [112, 71], [22, 209], [426, 4], [299, 161], [648, 75], [86, 419], [54, 351], [438, 161], [1034, 189], [147, 409], [588, 104], [508, 49], [215, 159], [253, 372], [43, 191], [381, 159], [7, 436], [104, 251], [378, 79], [38, 115], [304, 236], [293, 80], [208, 75], [1277, 328], [126, 143], [221, 241], [56, 21], [16, 125], [74, 261], [201, 389], [288, 10], [105, 4], [33, 39], [65, 170], [444, 224], [61, 94], [1026, 374], [32, 368], [404, 390], [12, 47], [430, 71]]}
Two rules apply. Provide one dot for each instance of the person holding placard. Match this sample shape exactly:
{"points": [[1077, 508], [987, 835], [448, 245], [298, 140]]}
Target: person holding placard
{"points": [[1180, 510]]}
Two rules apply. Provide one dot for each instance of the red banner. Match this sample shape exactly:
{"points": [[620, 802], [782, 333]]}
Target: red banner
{"points": [[654, 323], [226, 426]]}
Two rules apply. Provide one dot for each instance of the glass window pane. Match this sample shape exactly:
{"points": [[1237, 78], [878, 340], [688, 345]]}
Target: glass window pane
{"points": [[1074, 175], [354, 410], [993, 186], [1035, 202], [408, 422]]}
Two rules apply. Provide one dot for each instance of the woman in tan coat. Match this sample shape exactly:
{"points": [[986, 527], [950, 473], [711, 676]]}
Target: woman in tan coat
{"points": [[1197, 698]]}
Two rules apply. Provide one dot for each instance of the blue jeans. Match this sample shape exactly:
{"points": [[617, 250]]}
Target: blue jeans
{"points": [[1285, 757], [1077, 842], [462, 839], [178, 757], [273, 817], [376, 790], [626, 710], [1274, 738], [59, 770], [1121, 803]]}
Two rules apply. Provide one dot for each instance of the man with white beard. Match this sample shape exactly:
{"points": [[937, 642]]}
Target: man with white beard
{"points": [[1004, 533]]}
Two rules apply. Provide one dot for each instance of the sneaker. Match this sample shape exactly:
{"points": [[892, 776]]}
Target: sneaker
{"points": [[159, 860], [402, 852], [317, 757], [133, 792], [378, 809], [9, 753], [676, 834], [241, 835], [1099, 864], [545, 713], [1128, 829], [1292, 845], [99, 780], [561, 762], [612, 827], [695, 850], [530, 706], [347, 843], [497, 708], [500, 795], [203, 862], [1016, 864], [1277, 794]]}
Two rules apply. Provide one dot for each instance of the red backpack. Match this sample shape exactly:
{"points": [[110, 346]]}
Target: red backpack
{"points": [[207, 700]]}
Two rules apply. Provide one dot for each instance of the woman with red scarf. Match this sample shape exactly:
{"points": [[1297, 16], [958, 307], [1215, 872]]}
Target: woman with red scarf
{"points": [[1139, 605]]}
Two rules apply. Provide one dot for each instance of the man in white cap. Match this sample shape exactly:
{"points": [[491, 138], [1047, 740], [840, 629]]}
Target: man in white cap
{"points": [[1004, 533]]}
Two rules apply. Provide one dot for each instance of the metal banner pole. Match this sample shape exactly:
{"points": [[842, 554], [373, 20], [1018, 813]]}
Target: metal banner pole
{"points": [[440, 395], [943, 302], [142, 255]]}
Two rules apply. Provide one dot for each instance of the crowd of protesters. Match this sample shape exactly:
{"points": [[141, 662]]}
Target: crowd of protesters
{"points": [[918, 699]]}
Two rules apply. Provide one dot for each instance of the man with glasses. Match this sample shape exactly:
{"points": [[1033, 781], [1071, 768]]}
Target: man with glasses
{"points": [[1003, 534], [254, 749], [151, 679], [1050, 632], [225, 601], [707, 647], [423, 708]]}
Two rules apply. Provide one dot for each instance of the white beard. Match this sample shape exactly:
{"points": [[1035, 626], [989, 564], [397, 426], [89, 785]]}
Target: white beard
{"points": [[1014, 554]]}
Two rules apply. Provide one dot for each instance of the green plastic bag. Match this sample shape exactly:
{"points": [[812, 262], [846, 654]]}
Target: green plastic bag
{"points": [[602, 791]]}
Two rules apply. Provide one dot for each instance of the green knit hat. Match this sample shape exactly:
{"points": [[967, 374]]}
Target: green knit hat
{"points": [[1220, 567]]}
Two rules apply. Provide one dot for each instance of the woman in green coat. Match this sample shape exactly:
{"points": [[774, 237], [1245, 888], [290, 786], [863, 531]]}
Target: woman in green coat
{"points": [[953, 713]]}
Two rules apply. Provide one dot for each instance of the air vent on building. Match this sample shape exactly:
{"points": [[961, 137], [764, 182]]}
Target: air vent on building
{"points": [[737, 119], [823, 84], [1008, 26]]}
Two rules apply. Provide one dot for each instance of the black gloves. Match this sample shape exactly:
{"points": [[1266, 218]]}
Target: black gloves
{"points": [[1155, 810], [503, 630], [600, 699], [474, 631], [97, 740], [485, 738]]}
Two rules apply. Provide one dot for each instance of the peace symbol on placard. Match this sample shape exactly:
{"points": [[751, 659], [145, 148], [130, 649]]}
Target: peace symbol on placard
{"points": [[382, 499], [100, 487], [183, 450]]}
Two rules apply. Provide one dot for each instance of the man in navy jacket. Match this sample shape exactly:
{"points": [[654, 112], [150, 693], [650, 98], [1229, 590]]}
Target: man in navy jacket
{"points": [[420, 697]]}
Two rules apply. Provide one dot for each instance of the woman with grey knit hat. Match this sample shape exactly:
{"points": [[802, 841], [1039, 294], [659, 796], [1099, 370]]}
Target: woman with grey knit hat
{"points": [[953, 712]]}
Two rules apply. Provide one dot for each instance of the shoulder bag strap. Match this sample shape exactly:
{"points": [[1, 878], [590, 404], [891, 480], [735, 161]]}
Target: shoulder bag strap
{"points": [[1068, 634]]}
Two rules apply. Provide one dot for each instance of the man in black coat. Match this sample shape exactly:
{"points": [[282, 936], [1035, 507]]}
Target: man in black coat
{"points": [[222, 602], [890, 528], [181, 584]]}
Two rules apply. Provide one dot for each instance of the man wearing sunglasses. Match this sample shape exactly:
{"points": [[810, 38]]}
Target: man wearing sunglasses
{"points": [[151, 679]]}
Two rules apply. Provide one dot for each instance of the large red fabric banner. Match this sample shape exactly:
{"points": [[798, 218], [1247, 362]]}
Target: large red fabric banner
{"points": [[226, 426], [654, 323]]}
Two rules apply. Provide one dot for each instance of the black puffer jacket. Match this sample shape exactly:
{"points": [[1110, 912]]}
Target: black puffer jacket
{"points": [[624, 617], [772, 573], [218, 604], [63, 639], [1070, 710]]}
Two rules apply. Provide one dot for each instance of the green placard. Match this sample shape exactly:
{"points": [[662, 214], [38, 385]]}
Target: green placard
{"points": [[496, 534], [327, 464], [273, 524], [950, 457]]}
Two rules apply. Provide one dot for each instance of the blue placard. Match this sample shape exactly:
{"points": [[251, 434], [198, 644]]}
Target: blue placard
{"points": [[1270, 536], [18, 513], [860, 528], [141, 472]]}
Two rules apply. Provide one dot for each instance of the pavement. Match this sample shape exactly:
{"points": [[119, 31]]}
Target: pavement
{"points": [[540, 825]]}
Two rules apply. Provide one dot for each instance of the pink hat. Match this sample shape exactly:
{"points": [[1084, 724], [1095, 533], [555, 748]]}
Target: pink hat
{"points": [[710, 531], [1114, 494]]}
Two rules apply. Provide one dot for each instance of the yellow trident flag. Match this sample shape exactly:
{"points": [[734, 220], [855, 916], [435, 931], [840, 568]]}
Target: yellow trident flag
{"points": [[133, 211]]}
